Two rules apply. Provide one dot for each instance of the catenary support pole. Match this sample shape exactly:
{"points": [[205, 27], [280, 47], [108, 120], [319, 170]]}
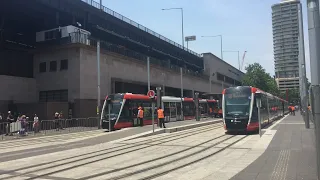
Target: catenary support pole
{"points": [[98, 83], [152, 111], [302, 71], [314, 45], [159, 102], [181, 81], [148, 69], [109, 116]]}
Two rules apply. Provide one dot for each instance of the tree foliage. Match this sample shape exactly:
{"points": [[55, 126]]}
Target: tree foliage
{"points": [[257, 76], [293, 95]]}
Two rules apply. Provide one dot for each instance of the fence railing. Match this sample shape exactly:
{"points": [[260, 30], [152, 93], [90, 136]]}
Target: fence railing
{"points": [[44, 127], [133, 23]]}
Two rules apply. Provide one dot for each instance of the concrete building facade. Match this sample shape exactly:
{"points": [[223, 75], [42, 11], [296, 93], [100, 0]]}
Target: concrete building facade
{"points": [[285, 24], [59, 72], [68, 74]]}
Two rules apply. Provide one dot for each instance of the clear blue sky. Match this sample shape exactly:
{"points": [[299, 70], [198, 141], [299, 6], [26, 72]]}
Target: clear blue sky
{"points": [[245, 25]]}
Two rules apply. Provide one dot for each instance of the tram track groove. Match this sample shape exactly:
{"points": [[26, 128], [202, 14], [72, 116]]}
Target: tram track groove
{"points": [[192, 162], [127, 175], [141, 163], [155, 159], [123, 145], [94, 154], [40, 140]]}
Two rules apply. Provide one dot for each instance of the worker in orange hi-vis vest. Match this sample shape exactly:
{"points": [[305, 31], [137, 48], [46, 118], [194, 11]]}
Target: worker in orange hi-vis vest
{"points": [[161, 117], [140, 115]]}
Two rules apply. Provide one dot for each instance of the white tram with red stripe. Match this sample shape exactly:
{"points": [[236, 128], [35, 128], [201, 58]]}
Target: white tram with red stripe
{"points": [[240, 112], [124, 108]]}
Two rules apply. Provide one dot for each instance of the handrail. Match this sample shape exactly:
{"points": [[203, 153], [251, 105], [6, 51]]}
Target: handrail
{"points": [[133, 23]]}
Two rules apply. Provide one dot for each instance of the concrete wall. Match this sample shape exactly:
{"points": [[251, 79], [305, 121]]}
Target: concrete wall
{"points": [[81, 78], [116, 66], [60, 79], [17, 89], [213, 64], [45, 111]]}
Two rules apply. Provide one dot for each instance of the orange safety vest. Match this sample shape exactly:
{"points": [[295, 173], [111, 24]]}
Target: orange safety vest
{"points": [[140, 113], [160, 113], [210, 110], [220, 111]]}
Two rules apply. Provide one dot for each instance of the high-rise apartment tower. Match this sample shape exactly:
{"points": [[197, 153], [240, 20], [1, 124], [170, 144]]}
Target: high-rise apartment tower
{"points": [[285, 26]]}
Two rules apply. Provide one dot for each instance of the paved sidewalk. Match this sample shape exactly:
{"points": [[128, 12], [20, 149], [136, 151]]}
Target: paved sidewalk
{"points": [[290, 155]]}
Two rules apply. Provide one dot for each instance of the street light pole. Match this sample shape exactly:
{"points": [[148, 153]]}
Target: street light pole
{"points": [[238, 57], [182, 27], [220, 43], [239, 60]]}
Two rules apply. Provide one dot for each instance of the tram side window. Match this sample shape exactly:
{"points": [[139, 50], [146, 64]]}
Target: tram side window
{"points": [[264, 108], [178, 108], [166, 109], [188, 109], [134, 108], [126, 111], [146, 109], [254, 116]]}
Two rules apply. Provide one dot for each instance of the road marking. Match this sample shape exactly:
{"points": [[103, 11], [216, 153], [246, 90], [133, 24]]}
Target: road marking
{"points": [[292, 123]]}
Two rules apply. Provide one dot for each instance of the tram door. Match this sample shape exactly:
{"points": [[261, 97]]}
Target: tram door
{"points": [[178, 110], [173, 111], [166, 106]]}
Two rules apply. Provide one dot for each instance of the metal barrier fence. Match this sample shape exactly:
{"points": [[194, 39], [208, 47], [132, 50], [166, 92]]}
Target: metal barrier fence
{"points": [[46, 127]]}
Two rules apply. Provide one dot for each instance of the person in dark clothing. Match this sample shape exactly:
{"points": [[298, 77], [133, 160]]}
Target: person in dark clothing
{"points": [[10, 119]]}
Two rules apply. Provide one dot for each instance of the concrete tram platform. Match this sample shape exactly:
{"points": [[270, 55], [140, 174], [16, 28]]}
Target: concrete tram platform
{"points": [[290, 155]]}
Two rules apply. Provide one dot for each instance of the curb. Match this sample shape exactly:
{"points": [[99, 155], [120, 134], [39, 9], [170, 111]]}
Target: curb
{"points": [[171, 130]]}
